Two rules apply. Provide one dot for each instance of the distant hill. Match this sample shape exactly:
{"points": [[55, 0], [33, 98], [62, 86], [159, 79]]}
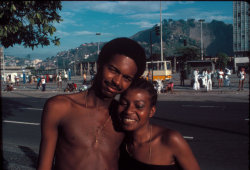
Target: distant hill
{"points": [[217, 37]]}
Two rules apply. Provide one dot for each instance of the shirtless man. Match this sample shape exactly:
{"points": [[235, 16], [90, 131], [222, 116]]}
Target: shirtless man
{"points": [[78, 132]]}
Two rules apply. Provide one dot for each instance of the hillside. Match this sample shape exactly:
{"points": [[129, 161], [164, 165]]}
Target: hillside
{"points": [[217, 37]]}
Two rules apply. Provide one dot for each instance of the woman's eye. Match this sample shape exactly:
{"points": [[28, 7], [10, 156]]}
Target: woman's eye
{"points": [[139, 106]]}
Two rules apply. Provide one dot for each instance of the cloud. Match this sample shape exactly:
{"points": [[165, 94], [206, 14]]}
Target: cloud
{"points": [[149, 16], [143, 24], [61, 33], [118, 7], [197, 14], [185, 2], [219, 18], [84, 32]]}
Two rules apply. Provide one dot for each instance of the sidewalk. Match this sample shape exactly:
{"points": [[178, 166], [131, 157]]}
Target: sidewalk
{"points": [[52, 87]]}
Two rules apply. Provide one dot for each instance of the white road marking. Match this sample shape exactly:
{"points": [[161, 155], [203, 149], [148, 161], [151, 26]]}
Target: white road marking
{"points": [[200, 106], [29, 108], [188, 137], [25, 123]]}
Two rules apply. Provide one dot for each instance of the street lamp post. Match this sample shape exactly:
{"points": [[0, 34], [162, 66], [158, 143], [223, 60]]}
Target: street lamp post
{"points": [[161, 33], [201, 20], [75, 61], [98, 33], [151, 57]]}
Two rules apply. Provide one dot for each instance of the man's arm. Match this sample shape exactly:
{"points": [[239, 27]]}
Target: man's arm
{"points": [[52, 114]]}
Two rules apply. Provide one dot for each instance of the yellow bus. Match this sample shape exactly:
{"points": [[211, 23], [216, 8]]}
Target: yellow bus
{"points": [[162, 70]]}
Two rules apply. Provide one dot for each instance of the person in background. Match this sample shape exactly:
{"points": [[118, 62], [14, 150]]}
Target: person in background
{"points": [[148, 146], [43, 81], [59, 80], [38, 82], [204, 78], [65, 77], [242, 76], [220, 79], [196, 85], [84, 78], [170, 87], [209, 81], [182, 77], [226, 77]]}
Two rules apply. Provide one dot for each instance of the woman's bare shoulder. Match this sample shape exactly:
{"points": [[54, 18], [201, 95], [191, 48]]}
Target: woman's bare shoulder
{"points": [[168, 136]]}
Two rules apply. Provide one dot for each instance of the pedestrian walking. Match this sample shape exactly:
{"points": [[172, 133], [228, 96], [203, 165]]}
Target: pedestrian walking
{"points": [[66, 77], [38, 82], [221, 76], [242, 76], [182, 77], [196, 85], [59, 80], [226, 77], [43, 80], [204, 78], [209, 81], [84, 78]]}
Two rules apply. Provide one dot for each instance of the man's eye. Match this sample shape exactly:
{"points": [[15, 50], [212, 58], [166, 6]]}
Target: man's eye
{"points": [[127, 78], [123, 103], [112, 69]]}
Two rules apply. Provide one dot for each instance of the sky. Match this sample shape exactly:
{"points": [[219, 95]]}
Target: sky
{"points": [[83, 19]]}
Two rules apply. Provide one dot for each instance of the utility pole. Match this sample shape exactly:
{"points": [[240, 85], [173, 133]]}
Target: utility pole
{"points": [[75, 61], [151, 57], [98, 33], [201, 20], [161, 34]]}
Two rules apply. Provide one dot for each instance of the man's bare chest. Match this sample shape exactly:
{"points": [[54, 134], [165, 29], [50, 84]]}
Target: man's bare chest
{"points": [[88, 129]]}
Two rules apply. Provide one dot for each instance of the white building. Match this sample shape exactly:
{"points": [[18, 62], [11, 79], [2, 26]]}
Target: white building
{"points": [[241, 34]]}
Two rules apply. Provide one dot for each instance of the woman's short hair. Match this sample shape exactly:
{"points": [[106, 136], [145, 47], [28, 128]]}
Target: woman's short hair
{"points": [[144, 84], [127, 47]]}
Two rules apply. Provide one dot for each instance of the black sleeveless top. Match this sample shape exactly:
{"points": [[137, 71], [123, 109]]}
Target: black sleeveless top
{"points": [[126, 162]]}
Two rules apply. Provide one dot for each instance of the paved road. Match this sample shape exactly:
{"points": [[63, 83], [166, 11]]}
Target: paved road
{"points": [[215, 124]]}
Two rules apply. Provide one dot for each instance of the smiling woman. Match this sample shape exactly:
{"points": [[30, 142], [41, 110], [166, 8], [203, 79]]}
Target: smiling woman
{"points": [[149, 146]]}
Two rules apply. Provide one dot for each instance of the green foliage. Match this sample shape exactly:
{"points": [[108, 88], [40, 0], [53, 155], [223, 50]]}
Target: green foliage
{"points": [[191, 22], [188, 53], [29, 23], [222, 61]]}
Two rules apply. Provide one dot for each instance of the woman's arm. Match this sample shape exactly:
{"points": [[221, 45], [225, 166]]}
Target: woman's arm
{"points": [[182, 152]]}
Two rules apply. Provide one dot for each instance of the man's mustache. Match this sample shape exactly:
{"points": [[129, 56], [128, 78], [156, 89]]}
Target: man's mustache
{"points": [[113, 85]]}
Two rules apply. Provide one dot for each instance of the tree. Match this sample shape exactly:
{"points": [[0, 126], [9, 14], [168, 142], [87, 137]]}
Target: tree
{"points": [[222, 60], [29, 23], [187, 53]]}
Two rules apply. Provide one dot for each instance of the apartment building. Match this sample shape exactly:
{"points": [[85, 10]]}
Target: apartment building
{"points": [[241, 34]]}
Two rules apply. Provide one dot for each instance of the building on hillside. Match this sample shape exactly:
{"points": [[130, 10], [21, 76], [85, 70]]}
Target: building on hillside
{"points": [[241, 34], [11, 71]]}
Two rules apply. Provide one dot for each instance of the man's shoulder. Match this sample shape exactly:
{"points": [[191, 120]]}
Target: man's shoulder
{"points": [[60, 101]]}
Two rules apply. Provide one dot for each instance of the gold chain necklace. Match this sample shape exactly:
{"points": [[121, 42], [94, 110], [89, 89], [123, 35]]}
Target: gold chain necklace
{"points": [[99, 129], [149, 149]]}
